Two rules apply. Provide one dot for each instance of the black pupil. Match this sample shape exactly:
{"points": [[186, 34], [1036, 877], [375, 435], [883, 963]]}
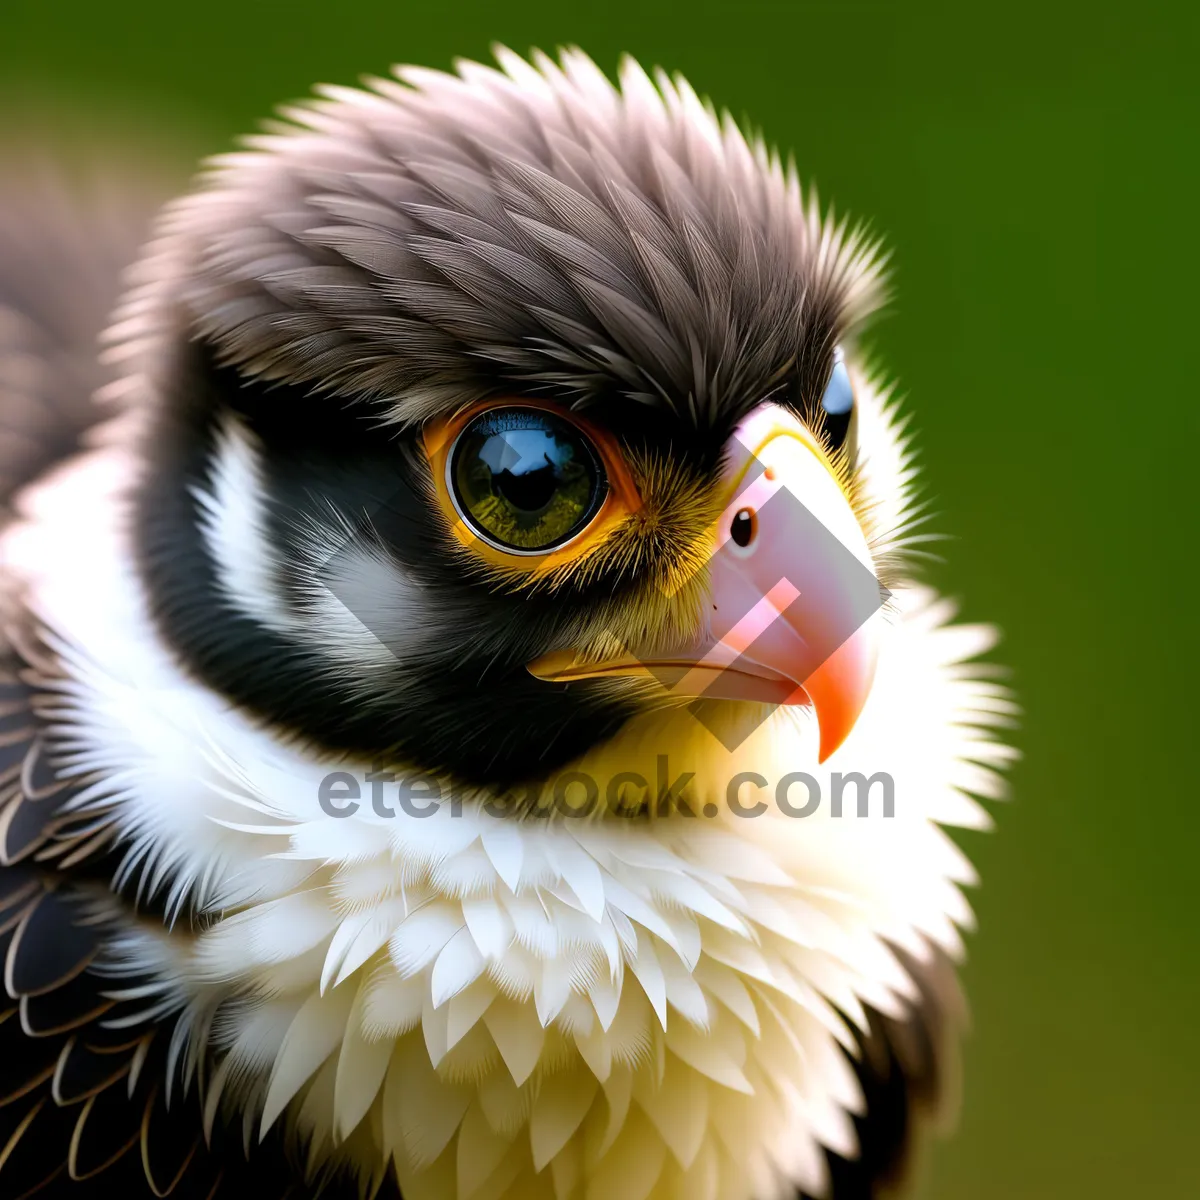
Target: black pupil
{"points": [[528, 479], [530, 491], [742, 527]]}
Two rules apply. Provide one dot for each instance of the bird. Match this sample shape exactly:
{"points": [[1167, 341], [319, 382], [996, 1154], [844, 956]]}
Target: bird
{"points": [[473, 725]]}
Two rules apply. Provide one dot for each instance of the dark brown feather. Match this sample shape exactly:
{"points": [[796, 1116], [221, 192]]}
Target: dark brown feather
{"points": [[83, 1075], [908, 1069]]}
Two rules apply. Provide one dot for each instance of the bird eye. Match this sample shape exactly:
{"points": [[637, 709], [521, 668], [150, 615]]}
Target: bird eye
{"points": [[525, 480], [837, 405]]}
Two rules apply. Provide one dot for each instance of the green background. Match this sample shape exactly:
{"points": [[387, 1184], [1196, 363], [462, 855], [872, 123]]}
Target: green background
{"points": [[1035, 172]]}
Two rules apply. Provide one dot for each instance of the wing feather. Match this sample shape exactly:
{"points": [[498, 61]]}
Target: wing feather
{"points": [[908, 1068]]}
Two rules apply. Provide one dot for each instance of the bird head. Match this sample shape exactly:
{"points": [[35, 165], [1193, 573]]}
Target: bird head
{"points": [[501, 411]]}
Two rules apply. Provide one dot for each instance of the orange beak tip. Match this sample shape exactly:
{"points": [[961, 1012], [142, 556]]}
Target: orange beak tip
{"points": [[828, 745]]}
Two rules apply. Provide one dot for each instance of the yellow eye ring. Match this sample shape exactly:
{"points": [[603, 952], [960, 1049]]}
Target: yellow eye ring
{"points": [[528, 485]]}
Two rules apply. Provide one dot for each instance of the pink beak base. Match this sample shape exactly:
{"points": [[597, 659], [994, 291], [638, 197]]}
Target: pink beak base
{"points": [[795, 610]]}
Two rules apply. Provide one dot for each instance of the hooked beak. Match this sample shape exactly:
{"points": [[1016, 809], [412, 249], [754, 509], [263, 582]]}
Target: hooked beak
{"points": [[794, 600]]}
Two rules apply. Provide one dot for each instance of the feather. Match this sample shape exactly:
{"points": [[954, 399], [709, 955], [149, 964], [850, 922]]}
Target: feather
{"points": [[421, 1112], [595, 1051], [490, 925], [504, 847], [727, 988], [618, 1093], [392, 1005], [563, 1100], [631, 1168], [362, 1067], [421, 936], [649, 973], [312, 1037], [480, 1151], [678, 1110], [459, 964], [467, 1009], [519, 1036], [718, 1059], [683, 993]]}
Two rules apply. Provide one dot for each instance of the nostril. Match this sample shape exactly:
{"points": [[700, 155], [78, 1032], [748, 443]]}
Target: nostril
{"points": [[744, 527]]}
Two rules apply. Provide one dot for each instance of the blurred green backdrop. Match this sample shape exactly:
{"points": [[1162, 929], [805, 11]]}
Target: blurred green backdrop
{"points": [[1036, 174]]}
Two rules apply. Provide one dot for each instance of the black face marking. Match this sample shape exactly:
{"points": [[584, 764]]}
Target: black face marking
{"points": [[465, 703]]}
